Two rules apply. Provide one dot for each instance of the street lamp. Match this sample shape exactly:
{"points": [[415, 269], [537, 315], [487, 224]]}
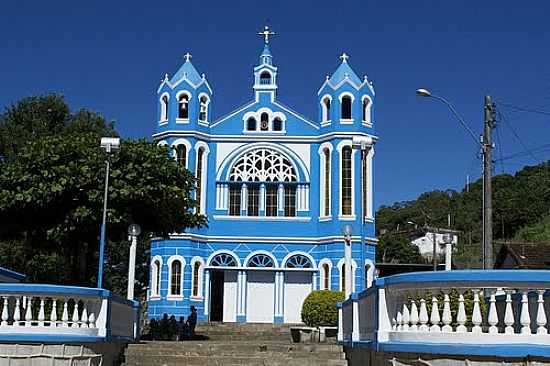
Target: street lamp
{"points": [[363, 144], [110, 145], [347, 230], [133, 232], [486, 146]]}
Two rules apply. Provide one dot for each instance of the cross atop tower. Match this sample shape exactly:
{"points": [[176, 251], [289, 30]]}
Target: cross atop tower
{"points": [[187, 57], [344, 57], [266, 33]]}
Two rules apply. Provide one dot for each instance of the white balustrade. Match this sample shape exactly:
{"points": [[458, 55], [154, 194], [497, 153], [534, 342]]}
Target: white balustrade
{"points": [[464, 312], [33, 313]]}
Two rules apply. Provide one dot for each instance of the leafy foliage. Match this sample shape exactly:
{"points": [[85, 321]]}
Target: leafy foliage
{"points": [[51, 195], [319, 308], [397, 248]]}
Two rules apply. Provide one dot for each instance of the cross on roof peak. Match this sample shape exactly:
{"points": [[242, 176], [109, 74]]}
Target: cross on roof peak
{"points": [[187, 57], [344, 57], [266, 33]]}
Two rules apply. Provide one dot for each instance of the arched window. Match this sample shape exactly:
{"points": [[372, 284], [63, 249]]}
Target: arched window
{"points": [[198, 176], [366, 109], [183, 106], [253, 200], [261, 260], [203, 108], [176, 277], [298, 261], [364, 187], [155, 280], [164, 108], [223, 260], [324, 276], [326, 185], [325, 105], [346, 181], [197, 279], [346, 107], [251, 124], [277, 124], [181, 155], [265, 78], [263, 165], [264, 122]]}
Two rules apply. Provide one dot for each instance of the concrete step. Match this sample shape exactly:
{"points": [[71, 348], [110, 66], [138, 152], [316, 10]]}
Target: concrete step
{"points": [[170, 360], [253, 345]]}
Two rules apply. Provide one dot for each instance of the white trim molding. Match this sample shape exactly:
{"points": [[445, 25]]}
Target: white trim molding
{"points": [[340, 148], [200, 285], [322, 172], [169, 262], [322, 273], [156, 278], [187, 144], [340, 265]]}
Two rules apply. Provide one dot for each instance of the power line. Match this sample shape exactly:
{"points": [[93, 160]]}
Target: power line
{"points": [[505, 120], [524, 109], [500, 149]]}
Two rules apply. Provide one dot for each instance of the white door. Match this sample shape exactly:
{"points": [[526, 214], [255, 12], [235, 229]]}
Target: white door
{"points": [[260, 296], [297, 286], [230, 296]]}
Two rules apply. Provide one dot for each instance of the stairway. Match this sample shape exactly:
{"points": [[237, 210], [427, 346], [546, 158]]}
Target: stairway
{"points": [[231, 344]]}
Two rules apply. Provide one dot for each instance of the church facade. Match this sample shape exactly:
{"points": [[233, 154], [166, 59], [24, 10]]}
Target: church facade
{"points": [[277, 189]]}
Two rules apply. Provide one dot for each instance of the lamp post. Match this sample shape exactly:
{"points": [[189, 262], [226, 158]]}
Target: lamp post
{"points": [[486, 146], [110, 145], [133, 232], [347, 230], [363, 144]]}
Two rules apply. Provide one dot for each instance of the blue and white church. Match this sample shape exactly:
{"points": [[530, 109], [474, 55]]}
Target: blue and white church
{"points": [[277, 188]]}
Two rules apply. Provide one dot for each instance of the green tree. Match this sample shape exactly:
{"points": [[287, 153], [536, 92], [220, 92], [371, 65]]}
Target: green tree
{"points": [[397, 248]]}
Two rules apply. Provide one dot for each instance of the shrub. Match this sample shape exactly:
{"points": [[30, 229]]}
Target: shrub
{"points": [[319, 308]]}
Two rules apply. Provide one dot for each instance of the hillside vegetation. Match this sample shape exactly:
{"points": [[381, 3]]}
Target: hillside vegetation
{"points": [[521, 211]]}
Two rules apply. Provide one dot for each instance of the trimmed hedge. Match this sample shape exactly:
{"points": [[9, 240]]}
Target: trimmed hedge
{"points": [[319, 308]]}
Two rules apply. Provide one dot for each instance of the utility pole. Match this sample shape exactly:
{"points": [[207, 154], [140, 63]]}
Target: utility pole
{"points": [[489, 124]]}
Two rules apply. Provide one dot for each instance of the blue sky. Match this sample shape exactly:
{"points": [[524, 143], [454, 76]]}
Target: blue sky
{"points": [[110, 57]]}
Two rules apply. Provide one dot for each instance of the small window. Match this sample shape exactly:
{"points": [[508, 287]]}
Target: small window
{"points": [[251, 124], [175, 280], [290, 200], [346, 181], [198, 177], [183, 107], [326, 109], [155, 290], [196, 278], [253, 200], [235, 200], [346, 107], [326, 191], [366, 110], [164, 108], [271, 200], [277, 124], [343, 278], [265, 78], [181, 155], [326, 277], [203, 111], [264, 122]]}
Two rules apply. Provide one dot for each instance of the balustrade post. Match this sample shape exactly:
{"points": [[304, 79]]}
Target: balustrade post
{"points": [[28, 312], [434, 316], [74, 318], [5, 314], [492, 318], [447, 316], [41, 313], [53, 315], [423, 317], [406, 317], [398, 321], [461, 315], [414, 317], [476, 314], [84, 317], [355, 335], [541, 314], [340, 324], [17, 312], [65, 315], [525, 319], [509, 314]]}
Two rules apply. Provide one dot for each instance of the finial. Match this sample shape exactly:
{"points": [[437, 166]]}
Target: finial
{"points": [[187, 57], [266, 33], [365, 77], [328, 76], [166, 76], [344, 57], [346, 75], [203, 75]]}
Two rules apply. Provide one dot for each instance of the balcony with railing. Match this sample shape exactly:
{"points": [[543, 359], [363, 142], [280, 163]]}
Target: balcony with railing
{"points": [[65, 314], [498, 313]]}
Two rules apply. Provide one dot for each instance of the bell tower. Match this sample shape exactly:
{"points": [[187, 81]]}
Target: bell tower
{"points": [[265, 74]]}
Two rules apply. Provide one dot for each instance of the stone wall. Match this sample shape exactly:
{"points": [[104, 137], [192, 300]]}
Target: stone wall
{"points": [[90, 354], [367, 357]]}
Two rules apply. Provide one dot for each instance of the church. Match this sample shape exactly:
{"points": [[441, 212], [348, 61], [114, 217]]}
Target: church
{"points": [[277, 188]]}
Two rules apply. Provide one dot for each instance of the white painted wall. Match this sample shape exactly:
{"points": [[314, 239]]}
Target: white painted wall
{"points": [[230, 296], [425, 244], [260, 298], [297, 286]]}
